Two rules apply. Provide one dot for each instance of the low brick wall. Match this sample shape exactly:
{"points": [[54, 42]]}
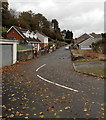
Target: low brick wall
{"points": [[24, 55]]}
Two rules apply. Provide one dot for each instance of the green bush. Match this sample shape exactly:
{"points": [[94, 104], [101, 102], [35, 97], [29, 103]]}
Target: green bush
{"points": [[99, 46], [68, 40], [4, 32]]}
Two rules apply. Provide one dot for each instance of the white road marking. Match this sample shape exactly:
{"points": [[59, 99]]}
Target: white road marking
{"points": [[57, 84], [40, 67]]}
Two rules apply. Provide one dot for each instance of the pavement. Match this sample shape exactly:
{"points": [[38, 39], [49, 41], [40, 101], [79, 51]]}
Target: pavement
{"points": [[48, 87]]}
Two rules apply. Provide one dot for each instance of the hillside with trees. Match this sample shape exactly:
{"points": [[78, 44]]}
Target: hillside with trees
{"points": [[31, 21]]}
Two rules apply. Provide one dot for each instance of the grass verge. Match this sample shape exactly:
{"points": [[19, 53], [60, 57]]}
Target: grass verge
{"points": [[97, 70]]}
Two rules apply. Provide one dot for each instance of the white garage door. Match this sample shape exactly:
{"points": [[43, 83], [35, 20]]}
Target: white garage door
{"points": [[7, 54]]}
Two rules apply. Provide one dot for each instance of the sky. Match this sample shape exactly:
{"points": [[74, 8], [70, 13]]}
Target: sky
{"points": [[79, 16]]}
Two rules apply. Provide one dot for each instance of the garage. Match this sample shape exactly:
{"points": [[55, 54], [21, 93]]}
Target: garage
{"points": [[8, 52], [7, 57]]}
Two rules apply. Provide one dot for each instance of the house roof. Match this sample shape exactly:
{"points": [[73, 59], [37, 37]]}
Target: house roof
{"points": [[21, 31], [18, 31], [37, 40], [96, 35], [33, 39], [83, 37], [86, 36], [41, 33]]}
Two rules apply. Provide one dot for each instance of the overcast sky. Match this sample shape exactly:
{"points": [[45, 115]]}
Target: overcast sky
{"points": [[79, 16]]}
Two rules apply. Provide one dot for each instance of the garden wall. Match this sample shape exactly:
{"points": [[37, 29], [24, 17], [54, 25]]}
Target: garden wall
{"points": [[24, 55]]}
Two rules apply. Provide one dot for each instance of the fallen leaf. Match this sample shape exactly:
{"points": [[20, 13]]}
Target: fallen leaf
{"points": [[102, 104], [41, 116], [55, 114], [26, 117], [102, 109], [20, 114], [68, 107], [87, 114], [61, 110], [11, 116], [27, 114], [85, 109], [41, 113]]}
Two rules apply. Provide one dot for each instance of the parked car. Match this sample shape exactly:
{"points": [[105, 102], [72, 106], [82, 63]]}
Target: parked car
{"points": [[67, 47]]}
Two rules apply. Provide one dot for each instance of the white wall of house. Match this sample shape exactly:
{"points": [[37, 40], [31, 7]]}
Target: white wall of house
{"points": [[45, 40], [35, 36], [42, 38]]}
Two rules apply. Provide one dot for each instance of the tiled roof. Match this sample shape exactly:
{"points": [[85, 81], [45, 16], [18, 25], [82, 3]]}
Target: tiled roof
{"points": [[86, 36], [41, 33], [83, 37], [37, 40], [22, 30], [33, 39], [96, 35]]}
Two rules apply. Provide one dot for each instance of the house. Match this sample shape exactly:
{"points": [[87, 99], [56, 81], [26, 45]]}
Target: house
{"points": [[24, 35], [43, 38], [85, 41]]}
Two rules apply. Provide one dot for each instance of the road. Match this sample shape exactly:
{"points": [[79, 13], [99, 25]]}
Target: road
{"points": [[48, 87]]}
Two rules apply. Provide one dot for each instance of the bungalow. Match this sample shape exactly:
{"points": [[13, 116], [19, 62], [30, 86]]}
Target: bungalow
{"points": [[85, 41], [24, 35]]}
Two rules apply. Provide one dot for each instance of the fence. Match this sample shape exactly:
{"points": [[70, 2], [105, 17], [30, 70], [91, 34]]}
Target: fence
{"points": [[24, 47]]}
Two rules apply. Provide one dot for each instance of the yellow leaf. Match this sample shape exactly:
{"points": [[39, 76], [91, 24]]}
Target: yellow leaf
{"points": [[41, 113], [61, 110], [102, 104], [102, 109], [26, 117], [88, 114], [68, 107], [27, 114], [85, 109], [55, 114], [41, 116]]}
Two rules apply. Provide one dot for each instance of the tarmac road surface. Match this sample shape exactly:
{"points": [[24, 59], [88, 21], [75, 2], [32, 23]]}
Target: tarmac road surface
{"points": [[48, 87]]}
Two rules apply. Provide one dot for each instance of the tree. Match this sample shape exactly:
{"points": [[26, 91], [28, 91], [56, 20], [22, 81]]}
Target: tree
{"points": [[55, 25], [41, 21], [69, 35], [4, 32], [31, 21], [26, 20], [7, 18]]}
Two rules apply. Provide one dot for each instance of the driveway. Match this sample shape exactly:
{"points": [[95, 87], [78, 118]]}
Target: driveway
{"points": [[48, 87]]}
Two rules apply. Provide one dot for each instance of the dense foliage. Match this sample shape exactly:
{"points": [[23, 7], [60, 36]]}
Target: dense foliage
{"points": [[100, 46], [31, 21]]}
